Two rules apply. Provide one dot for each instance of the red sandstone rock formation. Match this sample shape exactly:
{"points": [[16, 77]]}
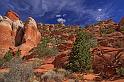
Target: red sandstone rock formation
{"points": [[106, 60], [109, 54], [16, 26], [9, 25], [5, 37], [114, 40], [62, 59], [121, 23], [12, 15], [13, 35], [31, 36], [95, 29]]}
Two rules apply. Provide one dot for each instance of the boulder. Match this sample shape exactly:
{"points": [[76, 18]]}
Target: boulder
{"points": [[6, 19], [17, 36], [61, 59], [9, 24], [31, 36], [6, 40], [17, 26], [12, 15], [1, 18]]}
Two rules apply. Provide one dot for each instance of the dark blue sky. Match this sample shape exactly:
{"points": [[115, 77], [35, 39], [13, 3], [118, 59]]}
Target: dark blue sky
{"points": [[81, 12]]}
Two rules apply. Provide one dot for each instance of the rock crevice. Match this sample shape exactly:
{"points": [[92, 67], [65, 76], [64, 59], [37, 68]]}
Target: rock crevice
{"points": [[17, 35]]}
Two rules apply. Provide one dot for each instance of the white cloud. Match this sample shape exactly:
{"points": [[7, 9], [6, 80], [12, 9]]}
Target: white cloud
{"points": [[99, 9], [61, 20], [58, 15], [64, 15]]}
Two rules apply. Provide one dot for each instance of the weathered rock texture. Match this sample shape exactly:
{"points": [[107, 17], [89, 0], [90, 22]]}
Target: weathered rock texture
{"points": [[109, 54], [96, 28], [106, 60], [65, 36], [15, 35], [114, 40], [5, 38], [12, 15], [31, 36], [121, 23]]}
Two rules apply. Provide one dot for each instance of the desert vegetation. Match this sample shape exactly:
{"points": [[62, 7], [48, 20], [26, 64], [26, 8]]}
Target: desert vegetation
{"points": [[80, 58], [47, 47], [122, 29], [18, 71], [60, 53], [107, 30], [8, 56]]}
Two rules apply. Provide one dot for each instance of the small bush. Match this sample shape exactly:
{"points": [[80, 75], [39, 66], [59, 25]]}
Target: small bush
{"points": [[1, 62], [80, 57], [42, 50], [120, 71], [19, 72], [8, 56], [1, 77], [107, 30], [122, 29], [56, 75]]}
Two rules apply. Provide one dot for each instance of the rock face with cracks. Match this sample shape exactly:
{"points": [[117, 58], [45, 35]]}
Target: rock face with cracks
{"points": [[31, 36], [5, 37], [106, 60], [108, 55], [16, 35]]}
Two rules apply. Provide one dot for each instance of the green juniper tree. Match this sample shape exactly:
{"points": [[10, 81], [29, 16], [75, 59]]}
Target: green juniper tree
{"points": [[80, 58]]}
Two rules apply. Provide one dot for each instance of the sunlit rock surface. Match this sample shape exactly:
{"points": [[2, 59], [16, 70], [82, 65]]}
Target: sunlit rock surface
{"points": [[31, 36], [16, 35]]}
